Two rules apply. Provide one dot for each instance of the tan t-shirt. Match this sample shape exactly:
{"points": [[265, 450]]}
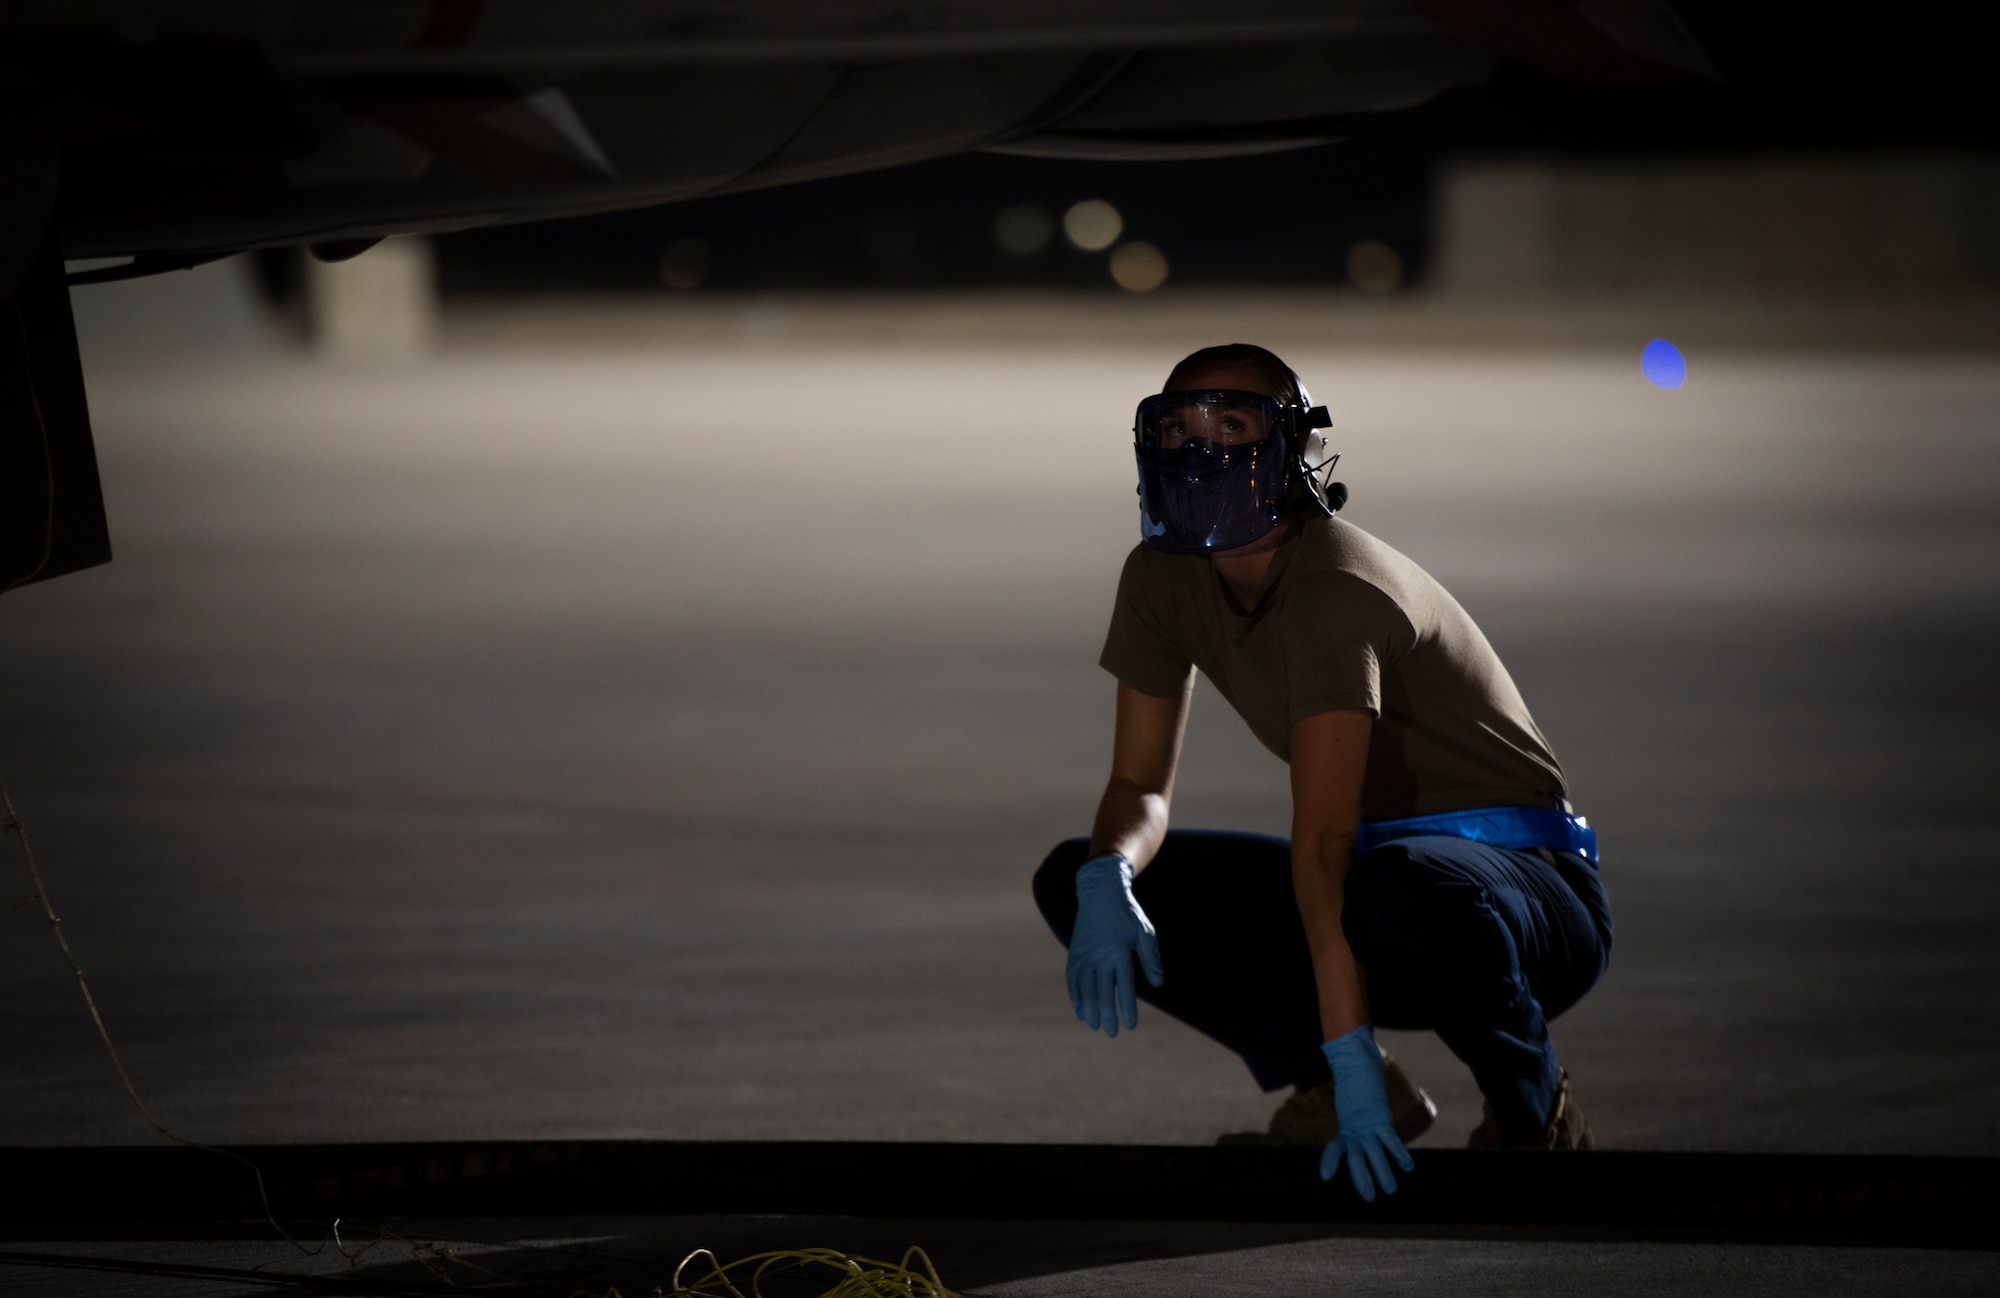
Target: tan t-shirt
{"points": [[1344, 622]]}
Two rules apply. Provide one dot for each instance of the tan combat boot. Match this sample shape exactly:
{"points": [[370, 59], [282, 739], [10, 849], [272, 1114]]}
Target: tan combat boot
{"points": [[1567, 1129], [1307, 1119]]}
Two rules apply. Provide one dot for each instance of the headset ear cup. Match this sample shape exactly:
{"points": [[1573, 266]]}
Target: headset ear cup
{"points": [[1301, 421]]}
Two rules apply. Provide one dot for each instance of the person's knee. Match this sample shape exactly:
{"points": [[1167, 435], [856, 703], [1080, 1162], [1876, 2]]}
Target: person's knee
{"points": [[1055, 885]]}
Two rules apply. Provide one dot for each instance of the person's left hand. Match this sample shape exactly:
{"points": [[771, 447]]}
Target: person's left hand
{"points": [[1367, 1140]]}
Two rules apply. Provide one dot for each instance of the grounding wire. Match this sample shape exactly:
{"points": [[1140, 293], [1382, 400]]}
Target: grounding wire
{"points": [[857, 1277], [425, 1254]]}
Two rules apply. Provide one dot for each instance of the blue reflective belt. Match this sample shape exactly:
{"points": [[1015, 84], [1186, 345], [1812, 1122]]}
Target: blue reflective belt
{"points": [[1500, 826]]}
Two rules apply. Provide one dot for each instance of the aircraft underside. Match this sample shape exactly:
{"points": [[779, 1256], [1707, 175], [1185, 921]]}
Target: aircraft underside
{"points": [[192, 129]]}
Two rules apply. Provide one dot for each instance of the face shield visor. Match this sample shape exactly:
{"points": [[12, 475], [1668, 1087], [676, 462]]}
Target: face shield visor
{"points": [[1212, 468]]}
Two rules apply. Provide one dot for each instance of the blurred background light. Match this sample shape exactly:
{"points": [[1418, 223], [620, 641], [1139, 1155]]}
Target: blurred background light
{"points": [[1023, 229], [1138, 267], [1374, 267], [1662, 364], [1093, 225], [981, 220], [1749, 235], [685, 264]]}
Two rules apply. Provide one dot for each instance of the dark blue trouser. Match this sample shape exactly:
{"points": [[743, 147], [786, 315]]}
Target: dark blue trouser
{"points": [[1482, 945]]}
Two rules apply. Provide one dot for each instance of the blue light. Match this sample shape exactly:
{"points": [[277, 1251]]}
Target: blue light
{"points": [[1663, 365]]}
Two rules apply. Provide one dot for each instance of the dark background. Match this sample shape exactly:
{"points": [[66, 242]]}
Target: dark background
{"points": [[1278, 218]]}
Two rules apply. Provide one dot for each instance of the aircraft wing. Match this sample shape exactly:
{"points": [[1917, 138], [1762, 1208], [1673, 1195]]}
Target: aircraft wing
{"points": [[192, 129]]}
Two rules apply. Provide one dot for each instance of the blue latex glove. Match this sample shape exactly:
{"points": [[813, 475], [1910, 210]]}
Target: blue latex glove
{"points": [[1110, 929], [1366, 1136]]}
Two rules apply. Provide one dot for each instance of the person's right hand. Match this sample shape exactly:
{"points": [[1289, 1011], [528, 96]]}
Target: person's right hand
{"points": [[1111, 929]]}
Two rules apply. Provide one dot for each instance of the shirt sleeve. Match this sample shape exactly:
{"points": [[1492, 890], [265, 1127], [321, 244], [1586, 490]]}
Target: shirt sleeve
{"points": [[1336, 634], [1139, 649]]}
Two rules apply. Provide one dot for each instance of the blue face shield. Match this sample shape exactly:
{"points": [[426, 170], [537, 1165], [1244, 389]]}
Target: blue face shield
{"points": [[1212, 469]]}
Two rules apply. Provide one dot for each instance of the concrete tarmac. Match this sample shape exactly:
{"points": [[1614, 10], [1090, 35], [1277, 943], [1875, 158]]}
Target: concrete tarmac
{"points": [[554, 741], [1037, 1259]]}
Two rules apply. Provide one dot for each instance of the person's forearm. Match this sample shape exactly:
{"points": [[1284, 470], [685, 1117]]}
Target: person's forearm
{"points": [[1319, 879], [1131, 822]]}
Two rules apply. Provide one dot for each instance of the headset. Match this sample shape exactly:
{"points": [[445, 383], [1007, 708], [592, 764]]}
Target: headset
{"points": [[1301, 424]]}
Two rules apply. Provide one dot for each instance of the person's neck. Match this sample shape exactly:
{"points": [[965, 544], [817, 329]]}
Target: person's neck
{"points": [[1242, 570]]}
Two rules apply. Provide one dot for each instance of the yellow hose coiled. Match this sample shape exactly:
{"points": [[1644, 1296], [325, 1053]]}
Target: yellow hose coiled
{"points": [[858, 1277]]}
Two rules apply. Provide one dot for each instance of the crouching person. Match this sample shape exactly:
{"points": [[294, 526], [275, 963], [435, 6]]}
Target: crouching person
{"points": [[1435, 877]]}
